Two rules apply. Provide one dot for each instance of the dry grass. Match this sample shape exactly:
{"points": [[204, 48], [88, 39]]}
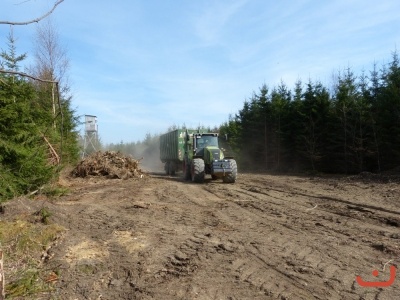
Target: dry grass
{"points": [[24, 244]]}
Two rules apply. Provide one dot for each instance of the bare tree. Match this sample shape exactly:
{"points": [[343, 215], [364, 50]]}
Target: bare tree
{"points": [[51, 61]]}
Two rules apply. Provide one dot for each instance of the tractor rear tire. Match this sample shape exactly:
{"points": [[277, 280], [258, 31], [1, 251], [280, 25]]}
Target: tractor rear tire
{"points": [[198, 170], [172, 168], [186, 170], [166, 168], [231, 177]]}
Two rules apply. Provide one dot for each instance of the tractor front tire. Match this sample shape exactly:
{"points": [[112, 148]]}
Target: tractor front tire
{"points": [[198, 170], [231, 177]]}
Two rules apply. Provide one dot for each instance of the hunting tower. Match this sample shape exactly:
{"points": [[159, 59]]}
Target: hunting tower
{"points": [[90, 140]]}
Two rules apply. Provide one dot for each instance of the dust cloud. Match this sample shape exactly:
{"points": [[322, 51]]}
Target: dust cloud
{"points": [[149, 157]]}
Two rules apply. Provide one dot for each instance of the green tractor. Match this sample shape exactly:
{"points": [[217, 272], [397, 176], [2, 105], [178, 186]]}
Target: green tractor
{"points": [[203, 156]]}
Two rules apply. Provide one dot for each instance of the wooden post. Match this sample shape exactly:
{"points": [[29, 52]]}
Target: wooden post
{"points": [[2, 293]]}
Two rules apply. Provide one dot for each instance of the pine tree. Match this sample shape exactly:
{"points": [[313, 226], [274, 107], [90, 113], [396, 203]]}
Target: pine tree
{"points": [[10, 58], [316, 114], [388, 115], [23, 158], [296, 129], [280, 103]]}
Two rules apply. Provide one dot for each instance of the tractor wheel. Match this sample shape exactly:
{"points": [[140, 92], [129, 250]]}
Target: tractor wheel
{"points": [[231, 178], [186, 170], [166, 168], [172, 168], [197, 170]]}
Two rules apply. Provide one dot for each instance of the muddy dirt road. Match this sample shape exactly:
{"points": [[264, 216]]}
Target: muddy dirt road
{"points": [[265, 237]]}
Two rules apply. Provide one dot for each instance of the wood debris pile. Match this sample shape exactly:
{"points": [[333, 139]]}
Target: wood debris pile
{"points": [[110, 164]]}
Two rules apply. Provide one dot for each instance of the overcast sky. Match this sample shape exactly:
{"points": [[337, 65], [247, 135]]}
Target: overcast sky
{"points": [[141, 66]]}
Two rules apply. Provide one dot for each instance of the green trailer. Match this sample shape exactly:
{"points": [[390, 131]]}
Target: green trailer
{"points": [[172, 150], [196, 154]]}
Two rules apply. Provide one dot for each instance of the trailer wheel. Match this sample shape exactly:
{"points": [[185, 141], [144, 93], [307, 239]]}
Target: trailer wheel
{"points": [[231, 178], [197, 170]]}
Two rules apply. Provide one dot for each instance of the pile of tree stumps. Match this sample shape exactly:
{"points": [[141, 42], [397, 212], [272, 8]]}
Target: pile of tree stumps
{"points": [[110, 164]]}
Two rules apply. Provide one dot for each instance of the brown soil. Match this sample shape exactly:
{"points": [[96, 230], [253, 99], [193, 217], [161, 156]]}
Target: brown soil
{"points": [[264, 237]]}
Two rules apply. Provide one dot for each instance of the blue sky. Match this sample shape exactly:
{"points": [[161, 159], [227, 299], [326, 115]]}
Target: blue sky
{"points": [[142, 66]]}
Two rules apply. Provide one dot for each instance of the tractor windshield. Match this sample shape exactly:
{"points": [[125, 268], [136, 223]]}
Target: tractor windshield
{"points": [[205, 141]]}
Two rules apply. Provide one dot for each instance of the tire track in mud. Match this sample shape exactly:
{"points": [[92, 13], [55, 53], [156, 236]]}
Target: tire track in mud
{"points": [[264, 263], [287, 187], [99, 255], [203, 247], [327, 204], [327, 264], [256, 278], [311, 254], [164, 238]]}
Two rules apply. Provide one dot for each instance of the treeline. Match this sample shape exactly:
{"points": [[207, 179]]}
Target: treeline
{"points": [[37, 125], [352, 127]]}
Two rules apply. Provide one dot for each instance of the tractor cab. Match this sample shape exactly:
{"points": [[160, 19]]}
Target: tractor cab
{"points": [[206, 146], [206, 140]]}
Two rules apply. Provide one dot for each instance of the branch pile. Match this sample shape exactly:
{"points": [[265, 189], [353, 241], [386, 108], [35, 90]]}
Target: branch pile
{"points": [[110, 164]]}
